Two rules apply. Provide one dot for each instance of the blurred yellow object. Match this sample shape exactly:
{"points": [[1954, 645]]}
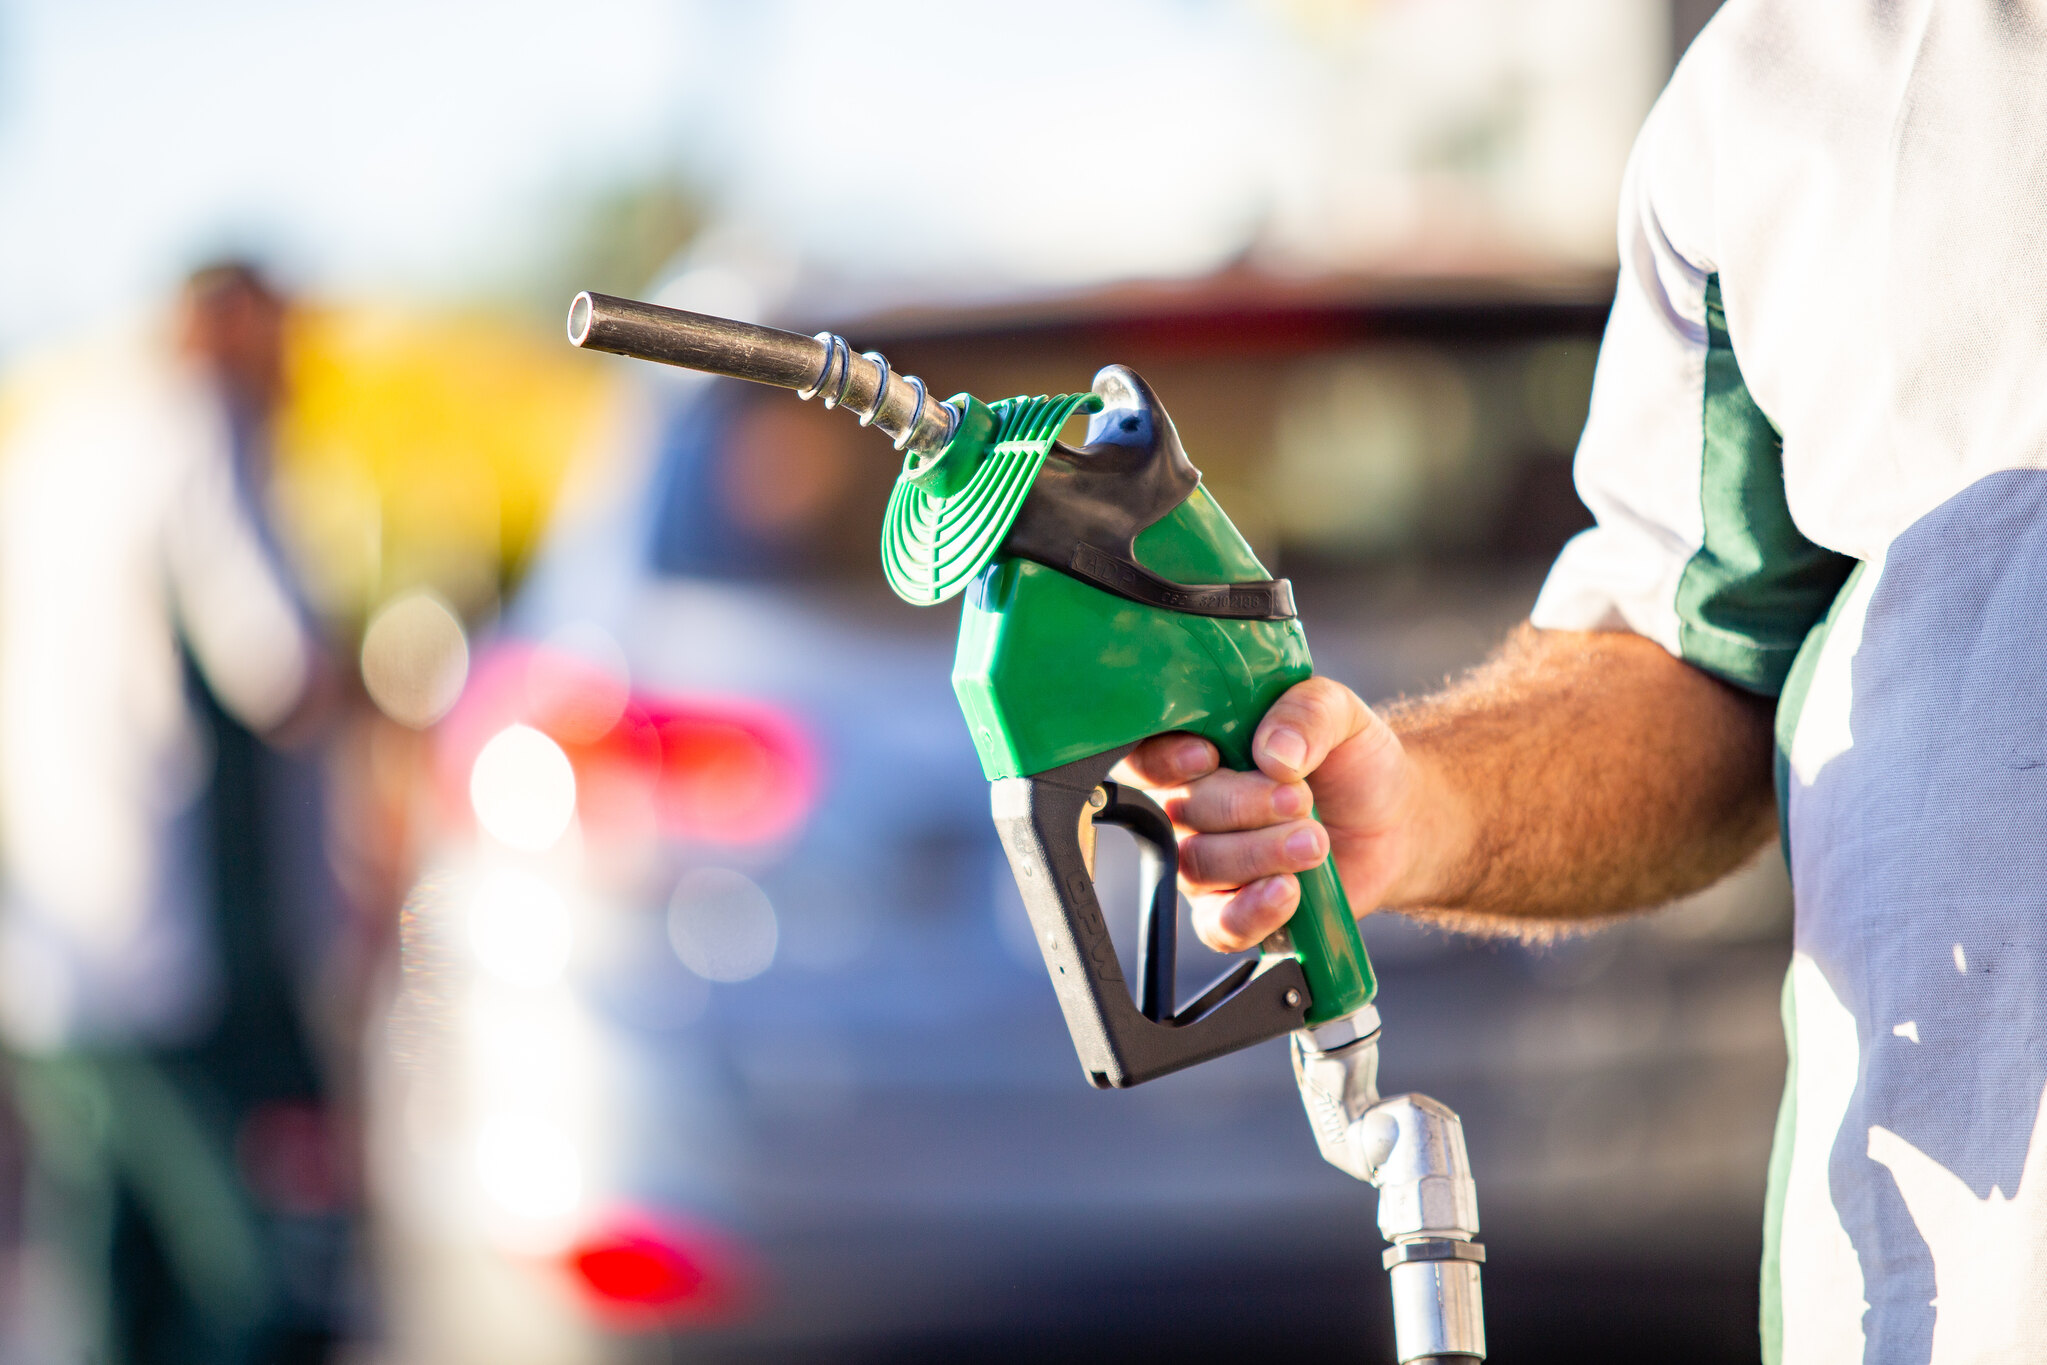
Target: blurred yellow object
{"points": [[421, 451]]}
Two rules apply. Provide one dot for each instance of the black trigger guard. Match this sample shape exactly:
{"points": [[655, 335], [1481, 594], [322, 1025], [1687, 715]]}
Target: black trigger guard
{"points": [[1159, 899], [1121, 1044]]}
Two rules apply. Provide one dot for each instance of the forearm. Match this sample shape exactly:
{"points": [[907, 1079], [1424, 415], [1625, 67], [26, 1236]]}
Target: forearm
{"points": [[1578, 775]]}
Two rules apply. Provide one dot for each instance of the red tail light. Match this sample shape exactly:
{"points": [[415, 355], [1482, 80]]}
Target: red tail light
{"points": [[648, 1273], [640, 1273], [731, 773], [718, 770]]}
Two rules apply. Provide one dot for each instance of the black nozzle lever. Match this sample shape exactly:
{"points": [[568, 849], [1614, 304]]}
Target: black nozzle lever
{"points": [[1124, 1042]]}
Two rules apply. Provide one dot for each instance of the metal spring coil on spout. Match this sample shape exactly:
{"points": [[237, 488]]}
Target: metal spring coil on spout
{"points": [[838, 365]]}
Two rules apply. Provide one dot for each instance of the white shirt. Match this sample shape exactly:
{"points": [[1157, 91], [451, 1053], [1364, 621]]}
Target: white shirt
{"points": [[1834, 231], [120, 528]]}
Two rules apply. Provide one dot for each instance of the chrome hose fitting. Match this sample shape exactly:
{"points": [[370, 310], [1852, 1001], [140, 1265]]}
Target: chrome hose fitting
{"points": [[1412, 1148]]}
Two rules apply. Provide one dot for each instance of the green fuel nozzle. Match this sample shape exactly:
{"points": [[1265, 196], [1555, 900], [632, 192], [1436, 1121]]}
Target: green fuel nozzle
{"points": [[1109, 599]]}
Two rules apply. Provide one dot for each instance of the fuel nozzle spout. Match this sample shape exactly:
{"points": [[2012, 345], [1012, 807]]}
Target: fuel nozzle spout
{"points": [[815, 366]]}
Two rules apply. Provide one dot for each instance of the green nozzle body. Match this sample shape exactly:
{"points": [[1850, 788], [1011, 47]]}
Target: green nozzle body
{"points": [[1053, 666]]}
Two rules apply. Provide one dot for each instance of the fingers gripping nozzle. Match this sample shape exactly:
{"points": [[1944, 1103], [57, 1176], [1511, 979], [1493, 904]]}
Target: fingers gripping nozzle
{"points": [[1412, 1148]]}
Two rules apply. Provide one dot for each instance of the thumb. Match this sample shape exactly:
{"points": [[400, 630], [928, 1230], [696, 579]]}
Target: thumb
{"points": [[1309, 719]]}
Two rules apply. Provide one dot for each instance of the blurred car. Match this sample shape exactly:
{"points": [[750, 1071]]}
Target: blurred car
{"points": [[721, 1029]]}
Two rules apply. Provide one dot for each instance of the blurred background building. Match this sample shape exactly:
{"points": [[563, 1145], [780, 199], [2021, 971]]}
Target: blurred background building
{"points": [[659, 987]]}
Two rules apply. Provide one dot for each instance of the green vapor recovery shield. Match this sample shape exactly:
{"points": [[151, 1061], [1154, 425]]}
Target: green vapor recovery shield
{"points": [[1111, 602]]}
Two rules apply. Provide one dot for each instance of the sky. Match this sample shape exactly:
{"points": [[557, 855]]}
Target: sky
{"points": [[376, 143], [427, 150]]}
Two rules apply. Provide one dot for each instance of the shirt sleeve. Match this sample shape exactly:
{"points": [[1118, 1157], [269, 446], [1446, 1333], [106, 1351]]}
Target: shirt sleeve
{"points": [[1694, 545]]}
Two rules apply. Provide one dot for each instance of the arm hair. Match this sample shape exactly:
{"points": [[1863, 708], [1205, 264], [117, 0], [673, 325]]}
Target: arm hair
{"points": [[1580, 776]]}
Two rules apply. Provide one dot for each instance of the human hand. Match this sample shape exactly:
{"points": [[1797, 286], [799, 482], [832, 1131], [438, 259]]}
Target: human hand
{"points": [[1244, 835]]}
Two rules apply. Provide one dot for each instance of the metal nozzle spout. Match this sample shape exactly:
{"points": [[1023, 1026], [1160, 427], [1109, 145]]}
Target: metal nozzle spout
{"points": [[822, 364]]}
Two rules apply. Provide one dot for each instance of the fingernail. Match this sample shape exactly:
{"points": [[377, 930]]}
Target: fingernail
{"points": [[1190, 755], [1290, 801], [1278, 893], [1286, 747], [1304, 843], [1250, 906]]}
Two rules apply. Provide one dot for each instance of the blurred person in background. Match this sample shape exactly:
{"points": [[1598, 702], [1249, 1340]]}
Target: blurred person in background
{"points": [[179, 1175], [1815, 452]]}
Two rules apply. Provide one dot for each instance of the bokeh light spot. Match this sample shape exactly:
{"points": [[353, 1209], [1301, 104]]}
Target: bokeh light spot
{"points": [[528, 1167], [415, 658], [520, 927], [722, 925], [523, 788]]}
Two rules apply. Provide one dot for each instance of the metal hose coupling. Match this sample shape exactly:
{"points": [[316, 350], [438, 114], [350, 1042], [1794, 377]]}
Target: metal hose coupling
{"points": [[1428, 1210], [1412, 1148]]}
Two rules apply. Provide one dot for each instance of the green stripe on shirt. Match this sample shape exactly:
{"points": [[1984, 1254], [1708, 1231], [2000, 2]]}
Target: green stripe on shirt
{"points": [[1756, 586]]}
